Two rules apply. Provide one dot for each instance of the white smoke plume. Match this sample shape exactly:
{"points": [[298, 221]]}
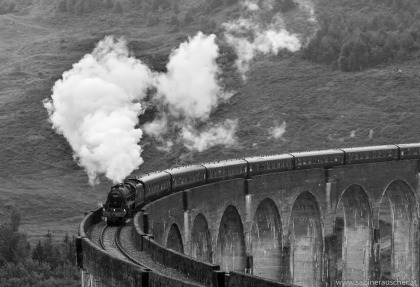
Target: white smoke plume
{"points": [[157, 127], [97, 103], [190, 91], [219, 134], [277, 131], [95, 106], [251, 5], [190, 87], [250, 35]]}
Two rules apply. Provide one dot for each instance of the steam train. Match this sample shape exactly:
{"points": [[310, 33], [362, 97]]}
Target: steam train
{"points": [[127, 197]]}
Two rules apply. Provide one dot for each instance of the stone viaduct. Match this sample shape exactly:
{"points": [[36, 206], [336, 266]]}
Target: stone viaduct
{"points": [[307, 227]]}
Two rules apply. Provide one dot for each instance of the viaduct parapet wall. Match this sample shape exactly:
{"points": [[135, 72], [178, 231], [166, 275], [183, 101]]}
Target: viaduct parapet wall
{"points": [[306, 227]]}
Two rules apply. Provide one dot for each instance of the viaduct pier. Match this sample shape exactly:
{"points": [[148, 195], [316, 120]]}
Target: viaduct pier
{"points": [[306, 227]]}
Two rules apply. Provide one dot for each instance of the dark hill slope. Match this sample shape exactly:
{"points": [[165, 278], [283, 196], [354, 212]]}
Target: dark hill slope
{"points": [[320, 105]]}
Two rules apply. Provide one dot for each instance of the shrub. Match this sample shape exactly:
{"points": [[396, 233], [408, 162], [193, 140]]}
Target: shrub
{"points": [[152, 19], [230, 2], [12, 7], [70, 5], [175, 7], [79, 8], [214, 3], [174, 20], [283, 5], [188, 18], [62, 6], [109, 4], [146, 9], [136, 2], [118, 7]]}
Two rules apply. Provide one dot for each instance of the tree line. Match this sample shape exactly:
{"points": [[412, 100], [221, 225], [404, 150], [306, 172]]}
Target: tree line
{"points": [[47, 264], [388, 33], [373, 32]]}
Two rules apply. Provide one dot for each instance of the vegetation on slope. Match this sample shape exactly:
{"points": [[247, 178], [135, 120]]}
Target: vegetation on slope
{"points": [[361, 34], [322, 107], [45, 265]]}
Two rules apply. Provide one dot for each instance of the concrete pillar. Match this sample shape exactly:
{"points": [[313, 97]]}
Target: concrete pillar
{"points": [[187, 219], [330, 260], [376, 254], [83, 277], [285, 263], [248, 220], [187, 233]]}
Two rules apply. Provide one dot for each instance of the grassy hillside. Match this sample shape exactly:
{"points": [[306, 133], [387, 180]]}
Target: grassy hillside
{"points": [[322, 107]]}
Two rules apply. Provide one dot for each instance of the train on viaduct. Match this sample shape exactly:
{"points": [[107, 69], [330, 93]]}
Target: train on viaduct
{"points": [[345, 217]]}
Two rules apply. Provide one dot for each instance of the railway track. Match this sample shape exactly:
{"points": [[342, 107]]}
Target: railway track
{"points": [[101, 237], [110, 241]]}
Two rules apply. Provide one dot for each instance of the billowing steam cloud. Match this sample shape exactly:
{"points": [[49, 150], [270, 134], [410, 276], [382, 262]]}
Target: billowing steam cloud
{"points": [[219, 134], [95, 106], [97, 103], [190, 91], [250, 5], [277, 131], [190, 87], [251, 34]]}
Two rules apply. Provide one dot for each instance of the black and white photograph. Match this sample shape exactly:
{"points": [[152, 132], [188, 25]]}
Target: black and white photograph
{"points": [[209, 143]]}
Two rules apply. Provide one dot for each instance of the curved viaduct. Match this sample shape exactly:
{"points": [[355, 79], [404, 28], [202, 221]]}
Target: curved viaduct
{"points": [[304, 227]]}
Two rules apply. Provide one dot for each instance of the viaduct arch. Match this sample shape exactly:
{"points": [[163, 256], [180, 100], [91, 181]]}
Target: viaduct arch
{"points": [[305, 235], [306, 227], [266, 241]]}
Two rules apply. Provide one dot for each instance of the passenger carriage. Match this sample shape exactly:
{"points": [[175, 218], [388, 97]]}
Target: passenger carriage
{"points": [[318, 159], [269, 164], [187, 176], [226, 169], [371, 154]]}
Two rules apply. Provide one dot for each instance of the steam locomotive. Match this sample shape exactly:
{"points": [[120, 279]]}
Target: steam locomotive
{"points": [[126, 198]]}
